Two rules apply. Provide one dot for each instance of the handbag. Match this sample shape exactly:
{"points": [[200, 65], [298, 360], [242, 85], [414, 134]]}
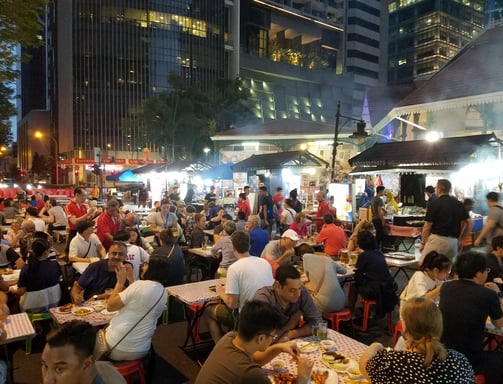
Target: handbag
{"points": [[105, 355]]}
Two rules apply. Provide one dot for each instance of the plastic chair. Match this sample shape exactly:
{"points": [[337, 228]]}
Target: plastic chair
{"points": [[480, 379], [34, 317], [128, 368], [398, 331], [336, 317], [366, 314]]}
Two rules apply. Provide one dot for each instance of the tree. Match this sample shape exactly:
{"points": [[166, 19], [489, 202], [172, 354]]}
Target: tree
{"points": [[184, 119], [19, 25], [41, 166]]}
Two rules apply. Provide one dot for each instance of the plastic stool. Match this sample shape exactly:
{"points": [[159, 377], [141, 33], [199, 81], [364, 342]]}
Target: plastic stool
{"points": [[480, 379], [398, 331], [336, 317], [193, 310], [366, 314], [128, 368]]}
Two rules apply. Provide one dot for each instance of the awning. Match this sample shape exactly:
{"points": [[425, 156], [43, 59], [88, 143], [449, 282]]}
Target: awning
{"points": [[221, 172], [279, 160], [148, 168], [444, 154], [126, 176], [175, 166]]}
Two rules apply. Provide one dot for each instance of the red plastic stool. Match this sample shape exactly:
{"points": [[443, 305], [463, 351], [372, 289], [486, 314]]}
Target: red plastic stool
{"points": [[129, 368], [193, 310], [398, 331], [366, 315], [336, 317], [480, 379]]}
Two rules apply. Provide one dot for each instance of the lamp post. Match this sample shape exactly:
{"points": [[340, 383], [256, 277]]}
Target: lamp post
{"points": [[359, 134], [40, 135]]}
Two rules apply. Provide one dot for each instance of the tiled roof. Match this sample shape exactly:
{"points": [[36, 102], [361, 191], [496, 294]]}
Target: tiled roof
{"points": [[475, 70], [279, 160], [422, 154]]}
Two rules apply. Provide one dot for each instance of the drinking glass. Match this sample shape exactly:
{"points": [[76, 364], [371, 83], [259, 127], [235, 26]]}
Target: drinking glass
{"points": [[108, 293], [322, 333], [314, 327]]}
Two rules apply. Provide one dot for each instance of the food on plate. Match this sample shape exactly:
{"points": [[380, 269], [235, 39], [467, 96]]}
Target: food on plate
{"points": [[279, 365], [319, 377], [354, 373], [66, 308], [5, 271], [308, 347], [81, 311], [285, 378], [335, 360]]}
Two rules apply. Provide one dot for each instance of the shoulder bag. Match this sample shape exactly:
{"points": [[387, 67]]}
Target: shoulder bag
{"points": [[105, 355]]}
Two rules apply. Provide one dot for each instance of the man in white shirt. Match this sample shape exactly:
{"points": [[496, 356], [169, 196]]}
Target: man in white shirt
{"points": [[135, 255], [244, 278], [85, 245]]}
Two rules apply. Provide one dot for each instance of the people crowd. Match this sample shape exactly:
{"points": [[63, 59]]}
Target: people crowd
{"points": [[277, 286]]}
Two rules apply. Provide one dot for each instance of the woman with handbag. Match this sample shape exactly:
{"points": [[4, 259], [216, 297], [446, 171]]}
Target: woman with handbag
{"points": [[128, 337]]}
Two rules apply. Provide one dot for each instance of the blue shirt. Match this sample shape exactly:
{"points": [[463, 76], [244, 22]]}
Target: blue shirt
{"points": [[258, 240]]}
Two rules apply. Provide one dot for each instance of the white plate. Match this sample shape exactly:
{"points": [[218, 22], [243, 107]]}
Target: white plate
{"points": [[82, 311], [332, 377], [308, 346], [107, 312]]}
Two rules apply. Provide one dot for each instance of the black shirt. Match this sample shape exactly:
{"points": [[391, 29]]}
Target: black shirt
{"points": [[446, 214]]}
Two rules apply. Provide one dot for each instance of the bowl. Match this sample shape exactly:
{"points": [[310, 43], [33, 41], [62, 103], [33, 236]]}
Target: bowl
{"points": [[279, 365], [328, 345]]}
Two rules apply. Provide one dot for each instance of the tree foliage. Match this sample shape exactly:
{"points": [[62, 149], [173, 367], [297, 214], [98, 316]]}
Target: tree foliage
{"points": [[41, 166], [183, 120], [19, 25]]}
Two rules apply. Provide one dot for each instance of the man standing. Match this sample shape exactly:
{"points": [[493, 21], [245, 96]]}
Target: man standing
{"points": [[244, 278], [430, 192], [101, 275], [68, 357], [239, 357], [323, 209], [290, 298], [466, 304], [108, 223], [446, 224], [266, 209], [378, 214], [76, 211], [258, 237], [494, 224]]}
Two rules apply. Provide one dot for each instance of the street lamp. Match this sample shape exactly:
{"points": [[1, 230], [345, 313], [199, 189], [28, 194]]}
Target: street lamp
{"points": [[359, 134], [40, 135], [206, 150]]}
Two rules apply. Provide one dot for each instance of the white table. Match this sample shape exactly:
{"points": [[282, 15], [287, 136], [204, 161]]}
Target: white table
{"points": [[191, 294], [96, 319], [347, 346], [401, 264]]}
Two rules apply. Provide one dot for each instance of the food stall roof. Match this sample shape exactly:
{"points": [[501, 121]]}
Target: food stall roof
{"points": [[175, 166], [422, 155], [279, 160]]}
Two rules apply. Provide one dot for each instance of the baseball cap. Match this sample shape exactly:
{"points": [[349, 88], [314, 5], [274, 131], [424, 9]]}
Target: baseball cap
{"points": [[81, 226], [292, 235]]}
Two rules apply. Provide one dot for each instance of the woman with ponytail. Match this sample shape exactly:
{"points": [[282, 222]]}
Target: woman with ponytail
{"points": [[38, 283], [425, 359]]}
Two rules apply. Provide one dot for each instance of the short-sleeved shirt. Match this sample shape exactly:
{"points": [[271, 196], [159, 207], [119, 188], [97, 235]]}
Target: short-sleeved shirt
{"points": [[465, 306], [258, 240], [419, 285], [495, 213], [246, 276], [45, 276], [75, 210], [333, 237], [107, 224], [8, 256], [446, 214], [269, 207], [376, 205], [59, 216], [79, 247], [305, 304], [390, 367], [228, 364], [96, 278]]}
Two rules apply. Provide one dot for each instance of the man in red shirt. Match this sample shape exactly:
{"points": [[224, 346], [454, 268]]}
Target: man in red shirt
{"points": [[323, 209], [76, 211], [108, 223], [332, 236]]}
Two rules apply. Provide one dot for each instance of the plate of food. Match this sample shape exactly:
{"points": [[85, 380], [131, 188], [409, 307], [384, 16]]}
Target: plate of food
{"points": [[308, 346], [82, 311], [283, 378], [67, 308], [98, 305], [6, 271], [318, 376], [336, 361]]}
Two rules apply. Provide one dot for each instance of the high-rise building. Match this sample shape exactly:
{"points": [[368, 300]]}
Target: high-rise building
{"points": [[425, 34]]}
